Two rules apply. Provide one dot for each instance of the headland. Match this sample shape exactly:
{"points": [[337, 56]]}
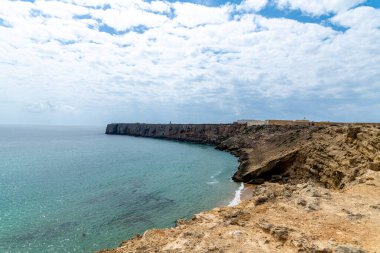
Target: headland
{"points": [[315, 188]]}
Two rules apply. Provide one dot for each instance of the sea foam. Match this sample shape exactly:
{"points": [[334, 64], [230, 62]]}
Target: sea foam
{"points": [[236, 199]]}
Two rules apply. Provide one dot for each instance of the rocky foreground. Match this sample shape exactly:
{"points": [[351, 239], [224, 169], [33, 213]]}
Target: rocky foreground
{"points": [[311, 189]]}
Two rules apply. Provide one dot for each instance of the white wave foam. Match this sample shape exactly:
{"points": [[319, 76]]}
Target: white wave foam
{"points": [[236, 199], [216, 174]]}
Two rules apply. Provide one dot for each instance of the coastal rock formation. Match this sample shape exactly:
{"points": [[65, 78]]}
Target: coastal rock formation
{"points": [[197, 133], [312, 189], [332, 156]]}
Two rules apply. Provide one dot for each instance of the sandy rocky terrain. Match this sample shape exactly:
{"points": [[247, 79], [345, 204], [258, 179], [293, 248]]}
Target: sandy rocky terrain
{"points": [[310, 189]]}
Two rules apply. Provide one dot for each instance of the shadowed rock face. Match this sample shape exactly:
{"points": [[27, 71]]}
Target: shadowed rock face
{"points": [[197, 133], [331, 155]]}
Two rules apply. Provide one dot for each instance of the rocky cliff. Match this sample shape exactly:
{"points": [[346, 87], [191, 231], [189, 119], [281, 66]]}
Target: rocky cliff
{"points": [[314, 189], [333, 155], [197, 133]]}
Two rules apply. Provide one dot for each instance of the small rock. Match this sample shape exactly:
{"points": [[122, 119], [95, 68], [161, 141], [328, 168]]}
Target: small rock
{"points": [[352, 132], [199, 235], [234, 221], [214, 249], [315, 194], [235, 214], [180, 222], [353, 161], [316, 249], [275, 178], [301, 186], [312, 207], [281, 233], [142, 248], [187, 234], [377, 206], [348, 249], [287, 194], [353, 216], [261, 200], [299, 243], [327, 195], [257, 181], [374, 166], [236, 233], [265, 225], [301, 202]]}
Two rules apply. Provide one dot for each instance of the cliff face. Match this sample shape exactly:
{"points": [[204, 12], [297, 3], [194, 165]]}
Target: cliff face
{"points": [[331, 156], [319, 191], [198, 133]]}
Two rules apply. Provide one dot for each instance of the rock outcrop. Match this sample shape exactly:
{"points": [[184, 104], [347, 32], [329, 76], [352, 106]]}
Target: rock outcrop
{"points": [[319, 190]]}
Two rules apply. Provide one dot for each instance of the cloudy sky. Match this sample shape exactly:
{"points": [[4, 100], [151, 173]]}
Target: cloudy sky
{"points": [[100, 61]]}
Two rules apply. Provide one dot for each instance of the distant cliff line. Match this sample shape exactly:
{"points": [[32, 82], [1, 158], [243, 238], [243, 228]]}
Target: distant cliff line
{"points": [[198, 133]]}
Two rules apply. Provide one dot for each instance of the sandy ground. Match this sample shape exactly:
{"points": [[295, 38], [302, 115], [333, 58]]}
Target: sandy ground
{"points": [[247, 192]]}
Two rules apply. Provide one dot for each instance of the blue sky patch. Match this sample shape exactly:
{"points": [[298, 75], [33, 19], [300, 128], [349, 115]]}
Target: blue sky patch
{"points": [[85, 16], [211, 3], [4, 23], [38, 13], [110, 30]]}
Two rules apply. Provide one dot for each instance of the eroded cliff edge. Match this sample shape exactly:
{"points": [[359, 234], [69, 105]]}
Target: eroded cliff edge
{"points": [[333, 156], [319, 190]]}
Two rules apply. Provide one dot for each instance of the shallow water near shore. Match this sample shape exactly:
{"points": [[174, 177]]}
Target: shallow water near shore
{"points": [[75, 189]]}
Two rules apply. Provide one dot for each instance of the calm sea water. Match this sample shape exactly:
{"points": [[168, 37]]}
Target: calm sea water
{"points": [[75, 189]]}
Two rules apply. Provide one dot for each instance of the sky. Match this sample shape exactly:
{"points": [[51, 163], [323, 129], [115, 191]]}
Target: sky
{"points": [[92, 62]]}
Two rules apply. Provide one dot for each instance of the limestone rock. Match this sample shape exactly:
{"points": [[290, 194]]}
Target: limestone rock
{"points": [[374, 166], [348, 249]]}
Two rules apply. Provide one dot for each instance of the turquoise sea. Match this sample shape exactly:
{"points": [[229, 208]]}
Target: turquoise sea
{"points": [[75, 189]]}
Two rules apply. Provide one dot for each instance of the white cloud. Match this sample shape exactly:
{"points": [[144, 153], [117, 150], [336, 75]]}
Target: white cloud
{"points": [[192, 15], [252, 5], [199, 57], [126, 18], [318, 7], [158, 6], [361, 17]]}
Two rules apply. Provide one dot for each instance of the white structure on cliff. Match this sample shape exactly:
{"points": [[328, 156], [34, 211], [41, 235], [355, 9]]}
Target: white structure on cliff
{"points": [[252, 122], [274, 122]]}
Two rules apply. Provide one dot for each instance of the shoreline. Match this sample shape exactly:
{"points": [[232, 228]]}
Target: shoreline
{"points": [[247, 193], [237, 197], [311, 197], [244, 192]]}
